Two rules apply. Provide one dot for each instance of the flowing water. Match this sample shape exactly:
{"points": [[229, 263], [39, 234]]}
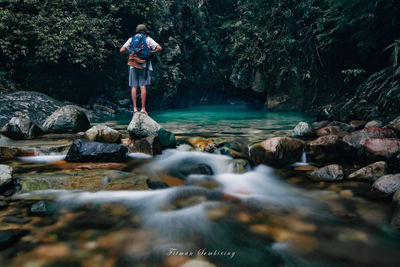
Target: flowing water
{"points": [[214, 212]]}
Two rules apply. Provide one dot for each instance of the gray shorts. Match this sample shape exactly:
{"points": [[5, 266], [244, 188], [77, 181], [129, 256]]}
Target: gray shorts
{"points": [[137, 77]]}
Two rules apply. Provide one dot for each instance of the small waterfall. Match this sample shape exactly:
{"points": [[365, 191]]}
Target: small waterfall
{"points": [[304, 157]]}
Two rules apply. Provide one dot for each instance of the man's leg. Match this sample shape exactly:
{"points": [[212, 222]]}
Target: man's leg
{"points": [[133, 93], [143, 96]]}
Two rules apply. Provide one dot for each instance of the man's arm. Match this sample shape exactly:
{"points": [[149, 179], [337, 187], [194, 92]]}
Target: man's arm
{"points": [[157, 49], [123, 49]]}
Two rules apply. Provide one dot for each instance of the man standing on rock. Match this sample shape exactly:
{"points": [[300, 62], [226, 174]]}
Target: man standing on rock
{"points": [[140, 66]]}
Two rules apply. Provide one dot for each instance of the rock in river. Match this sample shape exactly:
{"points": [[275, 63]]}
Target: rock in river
{"points": [[324, 149], [5, 176], [388, 184], [150, 145], [277, 151], [354, 139], [67, 119], [371, 172], [395, 125], [142, 126], [328, 173], [21, 128], [373, 149], [303, 129], [103, 133], [85, 151]]}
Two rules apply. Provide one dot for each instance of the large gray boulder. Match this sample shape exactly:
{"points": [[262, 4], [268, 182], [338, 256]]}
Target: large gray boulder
{"points": [[142, 126], [103, 133], [21, 128], [67, 119]]}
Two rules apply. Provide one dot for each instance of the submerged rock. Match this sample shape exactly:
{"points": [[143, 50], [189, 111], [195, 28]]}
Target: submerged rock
{"points": [[303, 129], [11, 236], [373, 149], [87, 180], [67, 119], [142, 126], [388, 184], [371, 172], [328, 173], [150, 145], [103, 133], [324, 149], [21, 128], [277, 151], [84, 151]]}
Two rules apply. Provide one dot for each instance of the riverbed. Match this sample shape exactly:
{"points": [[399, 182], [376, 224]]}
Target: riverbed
{"points": [[183, 208]]}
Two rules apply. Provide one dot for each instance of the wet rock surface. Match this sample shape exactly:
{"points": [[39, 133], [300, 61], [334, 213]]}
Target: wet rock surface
{"points": [[371, 172], [303, 129], [142, 126], [373, 149], [324, 149], [387, 185], [67, 119], [150, 145], [328, 173], [354, 139], [20, 128], [6, 173], [85, 151], [103, 133], [277, 151]]}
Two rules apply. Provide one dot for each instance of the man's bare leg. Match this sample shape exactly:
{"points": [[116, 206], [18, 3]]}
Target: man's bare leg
{"points": [[133, 94], [143, 96]]}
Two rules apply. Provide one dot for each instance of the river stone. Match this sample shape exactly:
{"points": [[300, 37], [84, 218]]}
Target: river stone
{"points": [[374, 123], [320, 124], [150, 145], [395, 125], [329, 130], [343, 126], [142, 126], [324, 149], [277, 151], [303, 129], [167, 139], [358, 124], [67, 119], [371, 172], [374, 149], [85, 151], [6, 174], [328, 173], [353, 139], [103, 133], [21, 128], [388, 184]]}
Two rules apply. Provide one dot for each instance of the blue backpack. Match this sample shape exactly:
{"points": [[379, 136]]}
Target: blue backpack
{"points": [[138, 47]]}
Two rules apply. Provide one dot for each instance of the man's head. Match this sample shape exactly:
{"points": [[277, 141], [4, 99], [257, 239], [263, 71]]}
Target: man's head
{"points": [[141, 28]]}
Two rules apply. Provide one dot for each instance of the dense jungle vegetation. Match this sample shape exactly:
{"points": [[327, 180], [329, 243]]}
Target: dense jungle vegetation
{"points": [[285, 53]]}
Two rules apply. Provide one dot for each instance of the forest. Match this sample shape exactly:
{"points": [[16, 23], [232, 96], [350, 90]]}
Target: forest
{"points": [[284, 54]]}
